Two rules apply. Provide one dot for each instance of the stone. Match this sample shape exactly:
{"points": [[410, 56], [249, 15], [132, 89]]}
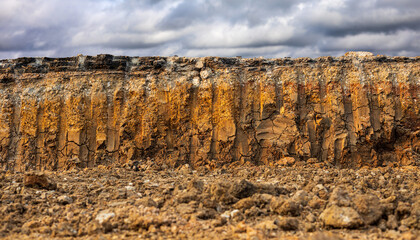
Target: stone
{"points": [[64, 199], [129, 188], [64, 229], [302, 197], [220, 192], [409, 236], [219, 222], [38, 180], [321, 191], [199, 64], [403, 209], [287, 161], [187, 196], [413, 221], [392, 222], [206, 73], [185, 208], [341, 217], [147, 202], [245, 203], [196, 184], [287, 223], [185, 169], [262, 199], [317, 203], [104, 216], [369, 208], [310, 218], [309, 227], [340, 197], [234, 214], [312, 160], [276, 203], [359, 54], [206, 214], [382, 224], [290, 207], [285, 207], [242, 189], [267, 225], [415, 209]]}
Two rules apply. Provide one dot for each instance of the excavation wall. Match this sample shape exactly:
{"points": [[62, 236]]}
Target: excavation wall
{"points": [[350, 111]]}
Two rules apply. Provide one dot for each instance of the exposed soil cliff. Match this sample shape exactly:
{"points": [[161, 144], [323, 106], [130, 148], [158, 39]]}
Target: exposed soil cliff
{"points": [[350, 111]]}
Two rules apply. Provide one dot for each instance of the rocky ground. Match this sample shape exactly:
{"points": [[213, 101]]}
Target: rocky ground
{"points": [[255, 202]]}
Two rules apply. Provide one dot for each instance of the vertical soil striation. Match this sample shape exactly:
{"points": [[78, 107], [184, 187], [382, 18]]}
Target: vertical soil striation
{"points": [[85, 111]]}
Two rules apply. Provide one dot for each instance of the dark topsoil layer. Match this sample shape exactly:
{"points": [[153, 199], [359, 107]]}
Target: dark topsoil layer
{"points": [[299, 202]]}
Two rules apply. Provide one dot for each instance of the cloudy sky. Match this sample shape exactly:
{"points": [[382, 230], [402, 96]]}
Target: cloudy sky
{"points": [[248, 28]]}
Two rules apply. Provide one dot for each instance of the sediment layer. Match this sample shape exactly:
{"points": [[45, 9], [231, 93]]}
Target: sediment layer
{"points": [[349, 111]]}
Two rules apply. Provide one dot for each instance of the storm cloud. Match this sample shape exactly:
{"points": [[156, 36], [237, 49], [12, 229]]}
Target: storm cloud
{"points": [[248, 28]]}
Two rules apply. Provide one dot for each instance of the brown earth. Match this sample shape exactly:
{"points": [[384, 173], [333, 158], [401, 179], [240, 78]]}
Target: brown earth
{"points": [[199, 148], [352, 111], [306, 201]]}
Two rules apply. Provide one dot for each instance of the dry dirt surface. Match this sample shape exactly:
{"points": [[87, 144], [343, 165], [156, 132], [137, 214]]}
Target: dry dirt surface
{"points": [[254, 202]]}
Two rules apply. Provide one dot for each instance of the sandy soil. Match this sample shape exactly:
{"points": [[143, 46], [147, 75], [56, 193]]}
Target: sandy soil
{"points": [[298, 202]]}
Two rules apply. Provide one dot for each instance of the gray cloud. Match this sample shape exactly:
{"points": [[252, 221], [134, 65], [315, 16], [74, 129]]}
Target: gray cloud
{"points": [[268, 28], [360, 17]]}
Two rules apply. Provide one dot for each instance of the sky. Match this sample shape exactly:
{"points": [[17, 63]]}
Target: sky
{"points": [[195, 28]]}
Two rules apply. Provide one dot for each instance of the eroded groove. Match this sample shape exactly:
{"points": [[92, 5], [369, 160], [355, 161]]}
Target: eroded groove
{"points": [[397, 102], [349, 122], [62, 134], [323, 130], [6, 120], [51, 126], [40, 137], [193, 142], [213, 154], [301, 104], [240, 143], [14, 150], [278, 91], [375, 111]]}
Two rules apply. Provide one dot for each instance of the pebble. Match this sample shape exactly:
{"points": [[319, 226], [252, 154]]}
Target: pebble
{"points": [[287, 223], [104, 216], [65, 199]]}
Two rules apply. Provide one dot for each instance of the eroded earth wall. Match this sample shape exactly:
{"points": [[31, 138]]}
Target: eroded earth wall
{"points": [[350, 111]]}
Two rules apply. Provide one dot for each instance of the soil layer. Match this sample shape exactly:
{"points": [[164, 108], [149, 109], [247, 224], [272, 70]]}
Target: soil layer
{"points": [[143, 200]]}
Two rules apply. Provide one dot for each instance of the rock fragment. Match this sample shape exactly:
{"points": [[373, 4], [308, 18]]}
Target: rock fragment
{"points": [[285, 207], [369, 208], [341, 217], [287, 161], [242, 189], [38, 180], [287, 223], [104, 216], [64, 200], [340, 197]]}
